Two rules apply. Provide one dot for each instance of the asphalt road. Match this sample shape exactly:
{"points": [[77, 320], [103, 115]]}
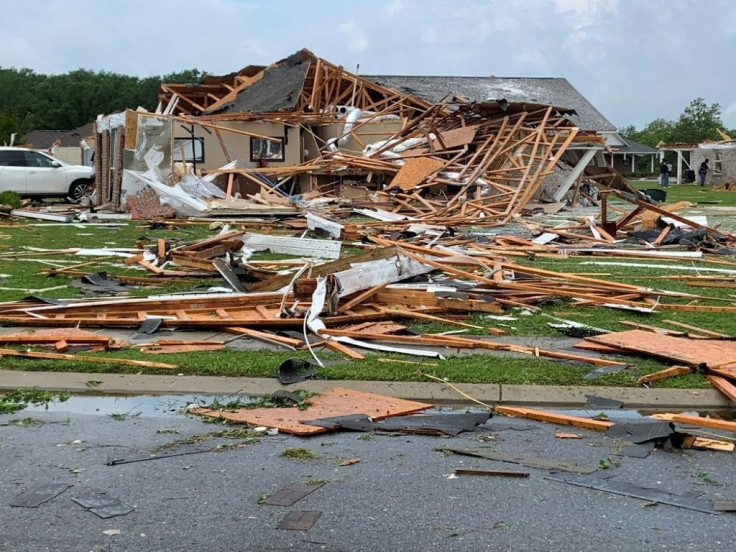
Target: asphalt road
{"points": [[398, 497]]}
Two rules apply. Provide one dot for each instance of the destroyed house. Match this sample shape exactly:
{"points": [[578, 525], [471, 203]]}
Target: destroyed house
{"points": [[304, 125]]}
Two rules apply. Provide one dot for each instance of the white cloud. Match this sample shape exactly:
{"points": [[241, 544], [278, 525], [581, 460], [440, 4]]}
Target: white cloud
{"points": [[357, 40]]}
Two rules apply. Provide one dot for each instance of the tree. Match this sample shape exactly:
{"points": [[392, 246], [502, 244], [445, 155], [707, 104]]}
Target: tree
{"points": [[698, 122]]}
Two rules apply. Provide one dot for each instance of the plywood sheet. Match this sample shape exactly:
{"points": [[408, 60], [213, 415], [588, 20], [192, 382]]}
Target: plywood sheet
{"points": [[453, 138], [415, 171], [680, 349], [336, 402]]}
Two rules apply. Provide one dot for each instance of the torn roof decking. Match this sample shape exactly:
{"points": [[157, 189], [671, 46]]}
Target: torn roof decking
{"points": [[301, 84], [278, 89], [548, 91]]}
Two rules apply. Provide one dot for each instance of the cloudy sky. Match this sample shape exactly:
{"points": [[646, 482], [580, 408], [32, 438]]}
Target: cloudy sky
{"points": [[635, 60]]}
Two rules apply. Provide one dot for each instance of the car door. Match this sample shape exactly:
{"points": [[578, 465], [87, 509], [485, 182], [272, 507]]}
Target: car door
{"points": [[13, 171], [42, 177]]}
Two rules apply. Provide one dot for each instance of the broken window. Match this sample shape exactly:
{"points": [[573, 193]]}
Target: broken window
{"points": [[718, 163], [266, 150], [193, 149]]}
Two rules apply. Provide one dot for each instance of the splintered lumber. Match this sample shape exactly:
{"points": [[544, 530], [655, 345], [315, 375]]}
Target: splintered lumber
{"points": [[697, 421], [724, 386], [694, 328], [84, 358], [333, 403], [32, 339], [666, 373], [561, 419]]}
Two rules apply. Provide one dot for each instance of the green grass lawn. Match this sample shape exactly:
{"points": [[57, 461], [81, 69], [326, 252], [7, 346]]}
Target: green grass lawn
{"points": [[478, 368]]}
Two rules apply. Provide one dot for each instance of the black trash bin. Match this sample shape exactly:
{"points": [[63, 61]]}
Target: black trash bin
{"points": [[656, 195], [689, 176]]}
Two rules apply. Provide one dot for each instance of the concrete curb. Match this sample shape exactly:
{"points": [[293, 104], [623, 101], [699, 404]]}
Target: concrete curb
{"points": [[528, 395]]}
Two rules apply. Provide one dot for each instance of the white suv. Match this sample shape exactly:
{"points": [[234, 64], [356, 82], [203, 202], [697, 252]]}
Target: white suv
{"points": [[32, 173]]}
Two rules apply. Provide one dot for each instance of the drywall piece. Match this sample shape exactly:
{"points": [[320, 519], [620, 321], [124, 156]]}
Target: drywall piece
{"points": [[414, 172], [380, 214], [513, 458], [367, 275], [701, 220], [336, 402], [304, 247], [38, 494], [291, 494], [629, 489], [41, 216], [329, 227]]}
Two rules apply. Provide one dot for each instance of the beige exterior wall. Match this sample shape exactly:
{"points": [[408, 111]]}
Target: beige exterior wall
{"points": [[727, 164], [238, 145], [71, 155]]}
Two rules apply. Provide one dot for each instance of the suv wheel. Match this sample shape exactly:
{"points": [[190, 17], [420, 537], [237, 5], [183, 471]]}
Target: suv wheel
{"points": [[80, 189]]}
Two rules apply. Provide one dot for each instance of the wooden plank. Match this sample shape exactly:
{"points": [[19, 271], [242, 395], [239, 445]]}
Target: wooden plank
{"points": [[666, 373], [694, 328], [83, 358], [724, 386], [552, 418], [344, 349], [697, 421]]}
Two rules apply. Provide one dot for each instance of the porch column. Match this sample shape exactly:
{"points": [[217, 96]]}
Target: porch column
{"points": [[679, 166], [574, 174]]}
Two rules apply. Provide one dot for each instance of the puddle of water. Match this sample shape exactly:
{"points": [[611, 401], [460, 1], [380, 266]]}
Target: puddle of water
{"points": [[149, 406], [157, 406]]}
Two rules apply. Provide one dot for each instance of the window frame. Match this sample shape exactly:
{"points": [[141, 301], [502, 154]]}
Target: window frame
{"points": [[257, 158], [187, 140]]}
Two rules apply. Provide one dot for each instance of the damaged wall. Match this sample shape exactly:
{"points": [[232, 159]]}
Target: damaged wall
{"points": [[238, 146], [723, 158]]}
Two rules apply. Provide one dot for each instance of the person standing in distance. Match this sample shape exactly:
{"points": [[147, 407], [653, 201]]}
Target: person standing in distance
{"points": [[664, 174], [702, 171]]}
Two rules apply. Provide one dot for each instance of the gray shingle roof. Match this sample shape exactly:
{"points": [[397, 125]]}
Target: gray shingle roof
{"points": [[44, 139], [636, 147], [550, 91]]}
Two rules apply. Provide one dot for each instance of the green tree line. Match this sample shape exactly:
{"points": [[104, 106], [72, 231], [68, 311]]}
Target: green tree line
{"points": [[33, 101], [697, 123]]}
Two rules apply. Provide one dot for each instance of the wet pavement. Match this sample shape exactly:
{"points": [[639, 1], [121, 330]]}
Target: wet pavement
{"points": [[401, 495]]}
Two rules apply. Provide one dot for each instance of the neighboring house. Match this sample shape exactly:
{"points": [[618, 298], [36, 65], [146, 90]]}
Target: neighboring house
{"points": [[65, 145], [632, 157], [722, 161]]}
